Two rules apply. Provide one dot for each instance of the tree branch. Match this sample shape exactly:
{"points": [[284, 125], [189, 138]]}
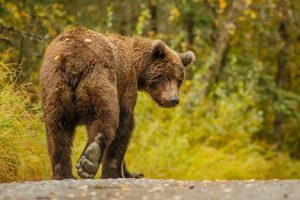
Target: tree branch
{"points": [[24, 34]]}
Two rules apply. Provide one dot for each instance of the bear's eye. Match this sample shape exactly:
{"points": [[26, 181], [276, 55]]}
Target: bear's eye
{"points": [[159, 77], [162, 78]]}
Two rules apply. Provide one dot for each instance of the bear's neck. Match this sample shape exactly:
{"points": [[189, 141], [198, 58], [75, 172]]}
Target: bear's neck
{"points": [[141, 58]]}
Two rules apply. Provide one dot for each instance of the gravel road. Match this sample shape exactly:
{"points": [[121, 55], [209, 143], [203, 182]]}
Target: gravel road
{"points": [[146, 189]]}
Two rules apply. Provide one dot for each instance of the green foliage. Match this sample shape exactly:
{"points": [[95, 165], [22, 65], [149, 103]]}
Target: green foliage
{"points": [[209, 141]]}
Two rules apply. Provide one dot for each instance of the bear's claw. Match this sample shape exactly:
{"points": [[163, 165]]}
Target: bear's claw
{"points": [[135, 175], [88, 164]]}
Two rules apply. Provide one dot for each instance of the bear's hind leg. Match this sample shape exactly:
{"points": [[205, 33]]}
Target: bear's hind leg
{"points": [[101, 134], [98, 99], [60, 138], [88, 163]]}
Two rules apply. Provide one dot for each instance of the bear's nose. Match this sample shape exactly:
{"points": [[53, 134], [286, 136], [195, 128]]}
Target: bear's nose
{"points": [[174, 100]]}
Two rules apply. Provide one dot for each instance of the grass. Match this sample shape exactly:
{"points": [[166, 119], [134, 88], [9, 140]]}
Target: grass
{"points": [[199, 145], [209, 141], [22, 151]]}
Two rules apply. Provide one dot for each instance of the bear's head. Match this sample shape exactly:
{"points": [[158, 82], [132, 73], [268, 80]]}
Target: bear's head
{"points": [[165, 73]]}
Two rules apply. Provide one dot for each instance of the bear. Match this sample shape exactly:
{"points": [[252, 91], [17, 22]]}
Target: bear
{"points": [[92, 79]]}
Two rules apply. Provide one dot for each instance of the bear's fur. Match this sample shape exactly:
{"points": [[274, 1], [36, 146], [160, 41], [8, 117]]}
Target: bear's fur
{"points": [[93, 79]]}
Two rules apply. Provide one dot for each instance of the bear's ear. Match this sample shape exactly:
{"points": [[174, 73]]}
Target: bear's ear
{"points": [[187, 58], [158, 49]]}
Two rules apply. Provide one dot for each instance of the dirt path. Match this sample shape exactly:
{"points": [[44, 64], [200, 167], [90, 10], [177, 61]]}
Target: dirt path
{"points": [[145, 189]]}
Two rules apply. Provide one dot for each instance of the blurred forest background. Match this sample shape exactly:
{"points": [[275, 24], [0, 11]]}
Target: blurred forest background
{"points": [[239, 116]]}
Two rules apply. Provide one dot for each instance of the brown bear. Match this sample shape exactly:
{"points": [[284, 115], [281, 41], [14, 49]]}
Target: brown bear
{"points": [[92, 79]]}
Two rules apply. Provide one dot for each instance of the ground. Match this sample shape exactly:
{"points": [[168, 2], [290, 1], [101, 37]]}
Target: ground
{"points": [[146, 189]]}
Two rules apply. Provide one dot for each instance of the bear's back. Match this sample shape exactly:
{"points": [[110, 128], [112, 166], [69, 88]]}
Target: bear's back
{"points": [[77, 52], [78, 49]]}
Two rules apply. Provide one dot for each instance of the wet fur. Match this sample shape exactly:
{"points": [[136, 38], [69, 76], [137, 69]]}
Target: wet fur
{"points": [[92, 79]]}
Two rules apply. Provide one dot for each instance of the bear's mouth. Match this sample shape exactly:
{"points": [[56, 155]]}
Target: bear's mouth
{"points": [[166, 104], [163, 100]]}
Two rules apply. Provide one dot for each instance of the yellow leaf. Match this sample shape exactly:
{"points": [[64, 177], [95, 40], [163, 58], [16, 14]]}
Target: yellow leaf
{"points": [[241, 18], [174, 14], [222, 5], [253, 15]]}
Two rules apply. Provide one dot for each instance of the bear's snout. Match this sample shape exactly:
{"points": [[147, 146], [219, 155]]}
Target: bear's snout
{"points": [[168, 95], [170, 101], [174, 100]]}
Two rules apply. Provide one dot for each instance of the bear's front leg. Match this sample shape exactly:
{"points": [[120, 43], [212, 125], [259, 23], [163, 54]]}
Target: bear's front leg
{"points": [[113, 161], [127, 174]]}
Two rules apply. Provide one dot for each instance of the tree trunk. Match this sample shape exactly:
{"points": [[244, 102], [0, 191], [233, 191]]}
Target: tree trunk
{"points": [[221, 45], [282, 60], [189, 25], [153, 14], [190, 28], [221, 38]]}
